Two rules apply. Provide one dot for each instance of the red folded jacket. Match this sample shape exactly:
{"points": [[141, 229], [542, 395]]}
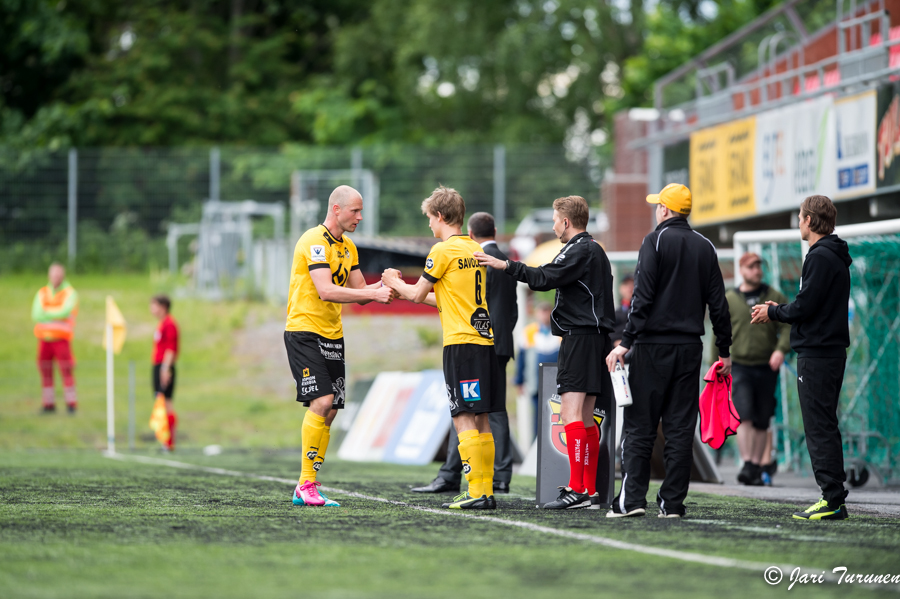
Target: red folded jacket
{"points": [[718, 416]]}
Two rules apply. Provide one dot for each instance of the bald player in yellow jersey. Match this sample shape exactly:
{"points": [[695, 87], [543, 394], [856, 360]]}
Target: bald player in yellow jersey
{"points": [[324, 274], [471, 369]]}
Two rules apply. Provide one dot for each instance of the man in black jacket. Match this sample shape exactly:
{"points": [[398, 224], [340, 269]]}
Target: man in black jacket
{"points": [[504, 311], [820, 334], [676, 278], [583, 316]]}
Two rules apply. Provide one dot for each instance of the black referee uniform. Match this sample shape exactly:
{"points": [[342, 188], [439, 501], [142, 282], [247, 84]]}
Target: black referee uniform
{"points": [[584, 308], [677, 277]]}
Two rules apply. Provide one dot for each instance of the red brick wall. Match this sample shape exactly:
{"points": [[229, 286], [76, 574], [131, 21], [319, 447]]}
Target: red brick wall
{"points": [[628, 211], [624, 191]]}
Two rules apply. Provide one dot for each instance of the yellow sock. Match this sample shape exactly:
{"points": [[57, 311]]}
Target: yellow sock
{"points": [[487, 462], [313, 428], [470, 453], [323, 447]]}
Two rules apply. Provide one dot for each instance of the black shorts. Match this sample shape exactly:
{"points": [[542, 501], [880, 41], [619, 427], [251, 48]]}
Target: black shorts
{"points": [[317, 365], [158, 388], [753, 393], [582, 365], [475, 384]]}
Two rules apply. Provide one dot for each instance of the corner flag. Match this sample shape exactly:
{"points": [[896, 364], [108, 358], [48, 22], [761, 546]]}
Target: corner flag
{"points": [[113, 340], [159, 420], [115, 320]]}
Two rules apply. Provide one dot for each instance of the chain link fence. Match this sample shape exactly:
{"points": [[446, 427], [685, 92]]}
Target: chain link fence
{"points": [[109, 209]]}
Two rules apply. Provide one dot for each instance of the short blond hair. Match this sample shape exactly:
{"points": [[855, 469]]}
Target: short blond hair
{"points": [[447, 202], [574, 208]]}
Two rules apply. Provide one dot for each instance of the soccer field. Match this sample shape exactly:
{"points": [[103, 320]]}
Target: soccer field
{"points": [[78, 524]]}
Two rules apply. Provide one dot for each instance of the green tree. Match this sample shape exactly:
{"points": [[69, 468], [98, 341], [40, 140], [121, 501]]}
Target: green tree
{"points": [[175, 72]]}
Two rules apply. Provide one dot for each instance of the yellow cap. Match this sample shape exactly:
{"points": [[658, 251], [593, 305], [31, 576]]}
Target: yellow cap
{"points": [[674, 196]]}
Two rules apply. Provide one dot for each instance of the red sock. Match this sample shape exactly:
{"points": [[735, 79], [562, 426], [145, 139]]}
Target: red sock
{"points": [[592, 450], [576, 439], [172, 422]]}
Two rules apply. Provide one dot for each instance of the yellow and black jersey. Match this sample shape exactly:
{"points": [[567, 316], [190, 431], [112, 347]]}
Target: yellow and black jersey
{"points": [[460, 287], [306, 311]]}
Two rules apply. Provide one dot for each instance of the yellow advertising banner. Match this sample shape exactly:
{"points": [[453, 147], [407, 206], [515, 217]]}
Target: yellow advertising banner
{"points": [[721, 170]]}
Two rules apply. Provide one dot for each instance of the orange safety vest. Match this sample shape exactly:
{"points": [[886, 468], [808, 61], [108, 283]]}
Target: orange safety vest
{"points": [[56, 330]]}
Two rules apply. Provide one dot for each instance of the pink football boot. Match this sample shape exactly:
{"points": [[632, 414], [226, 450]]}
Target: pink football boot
{"points": [[308, 494]]}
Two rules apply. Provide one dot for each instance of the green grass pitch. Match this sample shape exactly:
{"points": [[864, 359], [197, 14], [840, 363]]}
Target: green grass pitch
{"points": [[77, 524]]}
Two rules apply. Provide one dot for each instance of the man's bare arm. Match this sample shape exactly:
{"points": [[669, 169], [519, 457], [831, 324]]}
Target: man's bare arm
{"points": [[330, 292], [420, 293], [358, 281]]}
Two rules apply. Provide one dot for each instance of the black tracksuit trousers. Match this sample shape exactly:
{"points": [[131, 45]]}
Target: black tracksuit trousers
{"points": [[819, 383], [665, 383]]}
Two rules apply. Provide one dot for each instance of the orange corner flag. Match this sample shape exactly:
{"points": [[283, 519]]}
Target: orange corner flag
{"points": [[159, 420], [115, 319]]}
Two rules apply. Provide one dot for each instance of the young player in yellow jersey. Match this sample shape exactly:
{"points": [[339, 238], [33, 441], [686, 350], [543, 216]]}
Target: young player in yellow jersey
{"points": [[471, 370], [324, 274]]}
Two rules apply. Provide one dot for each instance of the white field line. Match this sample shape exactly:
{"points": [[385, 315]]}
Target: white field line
{"points": [[685, 556]]}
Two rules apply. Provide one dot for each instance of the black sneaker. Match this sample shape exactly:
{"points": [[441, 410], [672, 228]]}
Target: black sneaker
{"points": [[48, 408], [616, 512], [768, 473], [750, 475], [568, 500], [822, 511], [72, 408], [596, 504], [492, 503]]}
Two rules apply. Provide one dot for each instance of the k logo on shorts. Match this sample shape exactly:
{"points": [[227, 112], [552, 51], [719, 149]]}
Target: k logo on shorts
{"points": [[471, 390]]}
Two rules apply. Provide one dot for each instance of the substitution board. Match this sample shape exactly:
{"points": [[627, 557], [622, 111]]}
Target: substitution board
{"points": [[553, 459]]}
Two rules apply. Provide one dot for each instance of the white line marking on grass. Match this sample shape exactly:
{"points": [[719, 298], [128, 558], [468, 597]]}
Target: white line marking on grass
{"points": [[685, 556], [780, 532]]}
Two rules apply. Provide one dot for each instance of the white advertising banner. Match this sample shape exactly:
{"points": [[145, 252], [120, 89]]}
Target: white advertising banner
{"points": [[855, 136], [381, 409], [795, 155]]}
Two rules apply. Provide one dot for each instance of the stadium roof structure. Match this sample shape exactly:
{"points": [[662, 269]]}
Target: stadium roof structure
{"points": [[775, 61], [803, 100]]}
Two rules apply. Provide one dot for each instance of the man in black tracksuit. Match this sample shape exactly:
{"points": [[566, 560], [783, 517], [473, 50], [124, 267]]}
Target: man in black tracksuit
{"points": [[820, 334], [584, 316], [676, 278]]}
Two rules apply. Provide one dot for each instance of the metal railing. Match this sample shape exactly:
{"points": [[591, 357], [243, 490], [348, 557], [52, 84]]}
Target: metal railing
{"points": [[863, 58]]}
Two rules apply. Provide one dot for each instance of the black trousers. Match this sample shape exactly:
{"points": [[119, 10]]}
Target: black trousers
{"points": [[665, 383], [451, 470], [819, 383]]}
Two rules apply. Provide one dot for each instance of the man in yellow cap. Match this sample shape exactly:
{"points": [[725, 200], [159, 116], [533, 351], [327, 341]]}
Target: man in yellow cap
{"points": [[676, 278]]}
